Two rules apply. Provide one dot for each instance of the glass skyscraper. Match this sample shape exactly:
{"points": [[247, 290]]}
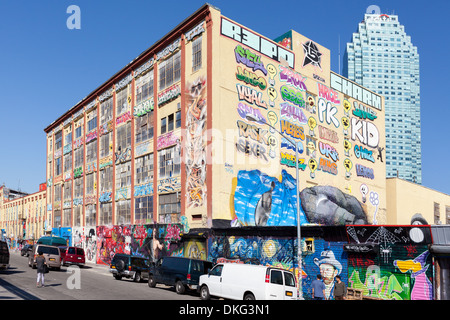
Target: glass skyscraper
{"points": [[382, 58]]}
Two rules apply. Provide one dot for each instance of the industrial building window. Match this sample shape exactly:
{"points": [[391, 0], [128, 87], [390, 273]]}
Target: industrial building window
{"points": [[57, 219], [144, 127], [79, 157], [67, 191], [58, 140], [106, 110], [143, 209], [123, 137], [123, 212], [169, 208], [90, 183], [144, 87], [68, 162], [437, 214], [77, 216], [58, 167], [92, 124], [78, 188], [123, 175], [91, 152], [144, 169], [106, 179], [171, 122], [170, 70], [67, 217], [57, 193], [105, 213], [91, 215], [122, 101], [447, 215], [68, 138], [78, 132], [169, 162], [105, 142], [163, 125], [197, 54]]}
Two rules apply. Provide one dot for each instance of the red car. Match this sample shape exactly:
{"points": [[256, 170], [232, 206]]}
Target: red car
{"points": [[74, 255]]}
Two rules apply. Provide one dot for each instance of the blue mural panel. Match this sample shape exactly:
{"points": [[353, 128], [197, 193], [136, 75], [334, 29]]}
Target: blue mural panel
{"points": [[261, 200]]}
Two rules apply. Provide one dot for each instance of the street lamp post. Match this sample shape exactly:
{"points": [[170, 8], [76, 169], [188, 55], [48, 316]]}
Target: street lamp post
{"points": [[299, 244]]}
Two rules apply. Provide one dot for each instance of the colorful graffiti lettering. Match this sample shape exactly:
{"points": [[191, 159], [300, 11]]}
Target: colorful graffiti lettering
{"points": [[366, 132], [293, 96], [252, 148], [327, 134], [328, 151], [123, 118], [289, 160], [363, 112], [362, 171], [251, 78], [293, 112], [328, 94], [249, 59], [251, 96], [292, 130], [327, 166], [325, 107], [293, 78], [246, 112], [251, 131]]}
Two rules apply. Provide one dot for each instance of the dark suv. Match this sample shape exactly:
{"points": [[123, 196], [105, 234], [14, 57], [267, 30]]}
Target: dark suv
{"points": [[128, 266], [178, 271], [4, 255]]}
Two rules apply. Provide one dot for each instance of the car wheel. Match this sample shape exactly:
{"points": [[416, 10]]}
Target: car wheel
{"points": [[118, 277], [137, 277], [151, 281], [179, 287], [204, 293], [249, 296]]}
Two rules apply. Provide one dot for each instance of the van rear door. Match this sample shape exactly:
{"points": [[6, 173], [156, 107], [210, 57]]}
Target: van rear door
{"points": [[274, 284]]}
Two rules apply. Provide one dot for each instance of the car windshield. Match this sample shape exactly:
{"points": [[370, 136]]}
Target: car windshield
{"points": [[48, 250]]}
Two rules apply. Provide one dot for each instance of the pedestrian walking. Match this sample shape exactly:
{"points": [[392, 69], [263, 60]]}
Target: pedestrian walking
{"points": [[41, 264], [318, 288], [340, 289]]}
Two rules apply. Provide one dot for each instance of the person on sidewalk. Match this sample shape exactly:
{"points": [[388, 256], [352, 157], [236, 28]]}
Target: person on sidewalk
{"points": [[41, 264], [340, 290], [318, 288]]}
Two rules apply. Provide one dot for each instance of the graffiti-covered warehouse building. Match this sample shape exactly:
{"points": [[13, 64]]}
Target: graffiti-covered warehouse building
{"points": [[201, 132]]}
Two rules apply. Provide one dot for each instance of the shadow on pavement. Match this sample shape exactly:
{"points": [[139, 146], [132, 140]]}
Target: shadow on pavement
{"points": [[17, 291]]}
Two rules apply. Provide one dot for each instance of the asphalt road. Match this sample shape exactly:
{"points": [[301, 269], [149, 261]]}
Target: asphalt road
{"points": [[92, 282]]}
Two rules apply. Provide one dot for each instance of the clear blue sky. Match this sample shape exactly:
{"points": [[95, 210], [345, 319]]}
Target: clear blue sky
{"points": [[45, 68]]}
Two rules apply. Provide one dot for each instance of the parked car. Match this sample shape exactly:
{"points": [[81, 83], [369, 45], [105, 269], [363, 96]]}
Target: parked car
{"points": [[74, 255], [25, 251], [179, 272], [248, 282], [52, 256], [59, 242], [4, 255], [128, 266]]}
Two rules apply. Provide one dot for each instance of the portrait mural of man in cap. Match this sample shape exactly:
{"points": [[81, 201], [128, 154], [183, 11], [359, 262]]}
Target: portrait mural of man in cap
{"points": [[329, 268]]}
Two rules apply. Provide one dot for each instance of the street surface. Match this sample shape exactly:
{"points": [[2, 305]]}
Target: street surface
{"points": [[93, 283]]}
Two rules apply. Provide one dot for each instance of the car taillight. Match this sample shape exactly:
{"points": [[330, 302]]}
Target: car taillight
{"points": [[189, 276], [268, 276], [129, 268]]}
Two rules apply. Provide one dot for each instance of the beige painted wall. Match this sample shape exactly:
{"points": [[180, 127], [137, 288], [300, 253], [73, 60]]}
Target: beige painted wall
{"points": [[405, 199], [228, 125]]}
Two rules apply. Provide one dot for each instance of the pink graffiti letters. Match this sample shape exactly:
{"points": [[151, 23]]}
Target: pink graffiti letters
{"points": [[293, 78], [328, 94]]}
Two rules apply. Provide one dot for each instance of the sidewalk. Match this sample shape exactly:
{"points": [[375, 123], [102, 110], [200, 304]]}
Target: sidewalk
{"points": [[7, 295]]}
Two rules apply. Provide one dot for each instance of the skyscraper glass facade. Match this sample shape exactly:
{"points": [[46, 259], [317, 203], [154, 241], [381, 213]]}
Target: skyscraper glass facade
{"points": [[382, 58]]}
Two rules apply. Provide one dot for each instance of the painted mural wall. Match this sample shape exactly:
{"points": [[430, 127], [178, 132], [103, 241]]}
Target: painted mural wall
{"points": [[276, 99]]}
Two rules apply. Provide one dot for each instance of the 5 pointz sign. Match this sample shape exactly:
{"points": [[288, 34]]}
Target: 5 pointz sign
{"points": [[312, 54]]}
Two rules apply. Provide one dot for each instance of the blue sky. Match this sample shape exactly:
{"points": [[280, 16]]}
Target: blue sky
{"points": [[45, 68]]}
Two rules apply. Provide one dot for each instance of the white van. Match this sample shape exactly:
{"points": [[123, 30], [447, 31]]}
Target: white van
{"points": [[248, 282]]}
